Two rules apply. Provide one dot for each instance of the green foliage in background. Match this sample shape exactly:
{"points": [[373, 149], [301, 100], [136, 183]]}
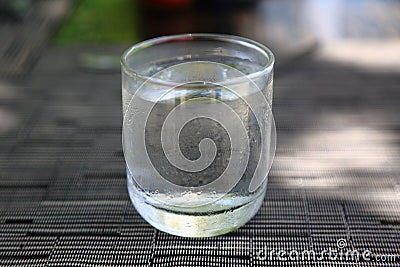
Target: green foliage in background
{"points": [[99, 21]]}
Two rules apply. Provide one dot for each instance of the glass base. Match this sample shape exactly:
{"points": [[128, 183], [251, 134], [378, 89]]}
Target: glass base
{"points": [[224, 216]]}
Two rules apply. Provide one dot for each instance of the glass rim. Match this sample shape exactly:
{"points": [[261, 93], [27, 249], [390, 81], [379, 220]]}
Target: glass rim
{"points": [[198, 36]]}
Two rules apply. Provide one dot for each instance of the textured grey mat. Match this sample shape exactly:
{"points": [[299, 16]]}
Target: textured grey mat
{"points": [[63, 197]]}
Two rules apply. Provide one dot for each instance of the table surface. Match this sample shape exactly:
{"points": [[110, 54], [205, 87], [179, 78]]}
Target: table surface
{"points": [[63, 196], [335, 179]]}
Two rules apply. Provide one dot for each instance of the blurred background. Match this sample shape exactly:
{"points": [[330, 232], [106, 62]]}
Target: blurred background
{"points": [[291, 28], [336, 102]]}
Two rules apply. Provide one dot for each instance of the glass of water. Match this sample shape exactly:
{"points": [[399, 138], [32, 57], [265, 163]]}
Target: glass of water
{"points": [[198, 132]]}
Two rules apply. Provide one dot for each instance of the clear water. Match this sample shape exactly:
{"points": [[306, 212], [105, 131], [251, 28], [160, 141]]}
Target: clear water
{"points": [[168, 210], [223, 216]]}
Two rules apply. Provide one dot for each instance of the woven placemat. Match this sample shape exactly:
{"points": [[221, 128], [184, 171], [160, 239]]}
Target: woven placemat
{"points": [[334, 183]]}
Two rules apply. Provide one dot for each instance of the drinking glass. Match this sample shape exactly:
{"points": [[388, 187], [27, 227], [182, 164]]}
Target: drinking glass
{"points": [[198, 132]]}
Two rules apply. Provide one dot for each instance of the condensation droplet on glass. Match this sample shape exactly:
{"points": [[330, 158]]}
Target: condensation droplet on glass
{"points": [[266, 113]]}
